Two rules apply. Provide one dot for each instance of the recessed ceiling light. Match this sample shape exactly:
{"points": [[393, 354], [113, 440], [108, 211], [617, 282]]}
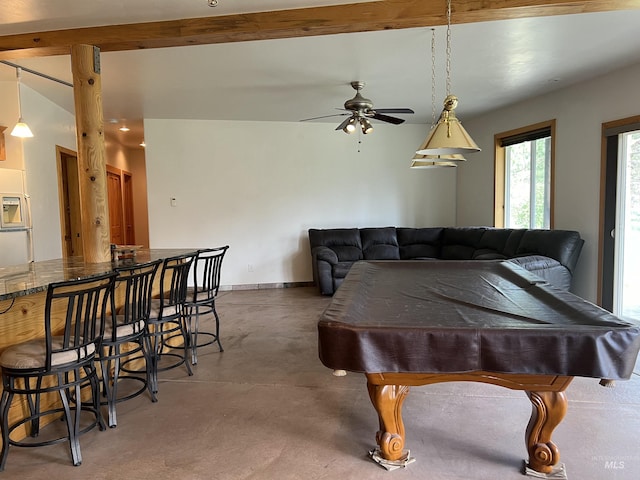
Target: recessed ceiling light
{"points": [[143, 144], [124, 129]]}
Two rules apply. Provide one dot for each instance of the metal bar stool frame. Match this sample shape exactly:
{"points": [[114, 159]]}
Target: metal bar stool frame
{"points": [[167, 318], [127, 329], [66, 358], [201, 297]]}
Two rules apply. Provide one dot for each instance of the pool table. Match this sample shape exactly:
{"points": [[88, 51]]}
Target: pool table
{"points": [[410, 323]]}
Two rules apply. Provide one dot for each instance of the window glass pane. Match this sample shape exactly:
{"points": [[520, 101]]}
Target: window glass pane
{"points": [[627, 302], [518, 181], [541, 184], [527, 180]]}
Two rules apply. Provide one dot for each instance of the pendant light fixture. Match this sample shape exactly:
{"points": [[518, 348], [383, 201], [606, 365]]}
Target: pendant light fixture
{"points": [[448, 136], [21, 129], [434, 161]]}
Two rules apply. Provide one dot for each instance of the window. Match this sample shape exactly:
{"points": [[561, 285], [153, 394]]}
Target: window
{"points": [[524, 177]]}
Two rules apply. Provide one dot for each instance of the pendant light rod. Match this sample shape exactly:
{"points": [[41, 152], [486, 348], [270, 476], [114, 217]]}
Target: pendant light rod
{"points": [[448, 49], [21, 129], [434, 161], [34, 72], [448, 136]]}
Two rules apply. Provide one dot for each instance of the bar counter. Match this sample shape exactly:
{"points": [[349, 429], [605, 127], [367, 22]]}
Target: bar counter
{"points": [[27, 279]]}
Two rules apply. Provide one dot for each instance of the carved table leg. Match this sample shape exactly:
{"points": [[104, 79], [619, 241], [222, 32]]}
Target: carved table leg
{"points": [[548, 411], [388, 400]]}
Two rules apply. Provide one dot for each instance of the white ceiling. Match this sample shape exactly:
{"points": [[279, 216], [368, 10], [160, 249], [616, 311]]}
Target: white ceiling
{"points": [[493, 63]]}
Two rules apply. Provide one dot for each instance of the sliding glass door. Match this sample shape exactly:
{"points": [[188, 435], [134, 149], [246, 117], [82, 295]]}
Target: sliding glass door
{"points": [[626, 234]]}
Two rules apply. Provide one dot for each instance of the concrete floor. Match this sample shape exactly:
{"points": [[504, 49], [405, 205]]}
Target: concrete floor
{"points": [[266, 408]]}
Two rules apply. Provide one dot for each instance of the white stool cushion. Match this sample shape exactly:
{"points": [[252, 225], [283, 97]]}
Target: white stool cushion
{"points": [[32, 354], [167, 312], [123, 330]]}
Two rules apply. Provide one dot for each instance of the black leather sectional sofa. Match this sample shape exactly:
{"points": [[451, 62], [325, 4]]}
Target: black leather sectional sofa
{"points": [[551, 254]]}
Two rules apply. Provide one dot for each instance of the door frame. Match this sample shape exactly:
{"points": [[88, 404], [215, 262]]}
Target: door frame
{"points": [[608, 177], [65, 202]]}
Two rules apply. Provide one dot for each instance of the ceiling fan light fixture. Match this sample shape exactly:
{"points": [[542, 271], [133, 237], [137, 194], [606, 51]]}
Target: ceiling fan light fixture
{"points": [[350, 127], [366, 126]]}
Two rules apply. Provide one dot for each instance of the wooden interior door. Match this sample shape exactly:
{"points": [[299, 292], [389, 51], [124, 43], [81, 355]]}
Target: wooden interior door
{"points": [[120, 194], [69, 200], [116, 216]]}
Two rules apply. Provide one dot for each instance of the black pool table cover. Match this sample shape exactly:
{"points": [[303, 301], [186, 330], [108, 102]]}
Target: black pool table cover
{"points": [[464, 316]]}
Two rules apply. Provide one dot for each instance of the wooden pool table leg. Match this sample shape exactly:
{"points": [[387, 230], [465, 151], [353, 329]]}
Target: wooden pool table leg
{"points": [[549, 408], [388, 400]]}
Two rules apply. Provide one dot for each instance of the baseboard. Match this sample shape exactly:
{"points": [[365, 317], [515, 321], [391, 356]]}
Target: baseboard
{"points": [[265, 286]]}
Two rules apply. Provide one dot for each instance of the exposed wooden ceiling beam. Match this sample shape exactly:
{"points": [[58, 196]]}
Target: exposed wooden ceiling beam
{"points": [[348, 18]]}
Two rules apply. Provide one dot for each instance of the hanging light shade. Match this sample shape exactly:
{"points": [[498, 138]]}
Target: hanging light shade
{"points": [[431, 164], [448, 136], [21, 129], [432, 157]]}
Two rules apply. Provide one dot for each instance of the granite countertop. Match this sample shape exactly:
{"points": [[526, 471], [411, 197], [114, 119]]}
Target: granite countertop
{"points": [[19, 280]]}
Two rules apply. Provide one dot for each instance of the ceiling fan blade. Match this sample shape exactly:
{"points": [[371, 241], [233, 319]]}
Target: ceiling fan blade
{"points": [[388, 119], [324, 116], [394, 110], [343, 124]]}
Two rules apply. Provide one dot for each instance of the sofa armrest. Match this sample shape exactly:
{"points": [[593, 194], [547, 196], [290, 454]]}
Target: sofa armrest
{"points": [[324, 253], [322, 260]]}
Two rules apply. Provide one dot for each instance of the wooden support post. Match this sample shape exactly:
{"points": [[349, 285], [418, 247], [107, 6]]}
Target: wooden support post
{"points": [[87, 93]]}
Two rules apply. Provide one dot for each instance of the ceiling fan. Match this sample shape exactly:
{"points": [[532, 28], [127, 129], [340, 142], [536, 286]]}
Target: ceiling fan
{"points": [[360, 110]]}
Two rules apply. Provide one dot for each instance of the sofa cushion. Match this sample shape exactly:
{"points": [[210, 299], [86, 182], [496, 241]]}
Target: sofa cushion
{"points": [[380, 243], [511, 247], [345, 242], [460, 243], [492, 244], [419, 242], [494, 239]]}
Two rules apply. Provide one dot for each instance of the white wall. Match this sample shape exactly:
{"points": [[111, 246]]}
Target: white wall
{"points": [[580, 111], [51, 126], [258, 186], [8, 118]]}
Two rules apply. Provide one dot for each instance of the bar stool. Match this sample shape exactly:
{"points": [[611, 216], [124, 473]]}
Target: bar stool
{"points": [[124, 336], [201, 297], [166, 319], [62, 362]]}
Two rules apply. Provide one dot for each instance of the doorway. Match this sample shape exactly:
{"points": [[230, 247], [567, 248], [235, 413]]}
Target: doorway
{"points": [[69, 201], [620, 219]]}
